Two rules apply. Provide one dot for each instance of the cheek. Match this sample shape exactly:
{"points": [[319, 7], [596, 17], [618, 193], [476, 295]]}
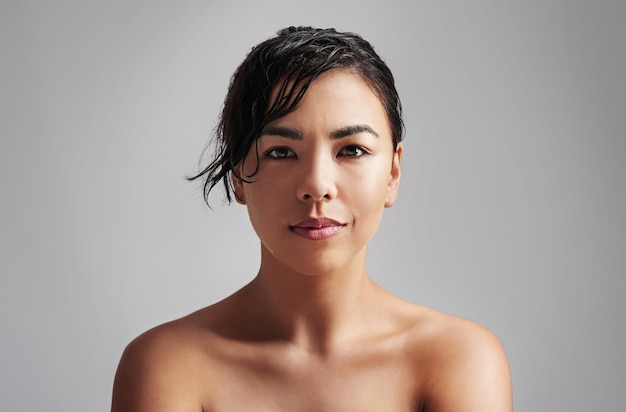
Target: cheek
{"points": [[268, 187], [266, 197], [367, 196], [373, 182]]}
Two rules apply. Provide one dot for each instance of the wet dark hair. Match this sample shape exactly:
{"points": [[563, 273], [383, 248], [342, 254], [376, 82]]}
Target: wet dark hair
{"points": [[288, 63]]}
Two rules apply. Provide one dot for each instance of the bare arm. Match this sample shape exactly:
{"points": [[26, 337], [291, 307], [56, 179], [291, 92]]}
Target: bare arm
{"points": [[470, 373], [152, 377]]}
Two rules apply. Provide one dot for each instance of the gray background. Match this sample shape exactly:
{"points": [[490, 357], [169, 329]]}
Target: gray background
{"points": [[512, 207]]}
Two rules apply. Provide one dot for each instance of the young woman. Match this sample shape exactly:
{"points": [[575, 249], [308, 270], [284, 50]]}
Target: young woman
{"points": [[310, 141]]}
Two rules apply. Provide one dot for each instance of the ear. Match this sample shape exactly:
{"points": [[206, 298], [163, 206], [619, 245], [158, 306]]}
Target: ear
{"points": [[237, 184], [394, 177]]}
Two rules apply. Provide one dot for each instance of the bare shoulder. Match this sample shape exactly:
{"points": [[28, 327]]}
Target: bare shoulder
{"points": [[463, 364], [159, 370]]}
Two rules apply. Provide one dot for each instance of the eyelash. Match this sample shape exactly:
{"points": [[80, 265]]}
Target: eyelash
{"points": [[352, 147], [286, 153]]}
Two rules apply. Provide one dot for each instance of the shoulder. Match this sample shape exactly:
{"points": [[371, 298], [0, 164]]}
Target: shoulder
{"points": [[158, 370], [464, 365]]}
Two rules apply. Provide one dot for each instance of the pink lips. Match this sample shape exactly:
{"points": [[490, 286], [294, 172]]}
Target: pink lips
{"points": [[317, 229]]}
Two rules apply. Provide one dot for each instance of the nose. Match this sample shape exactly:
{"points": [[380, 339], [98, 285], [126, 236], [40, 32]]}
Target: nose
{"points": [[317, 182]]}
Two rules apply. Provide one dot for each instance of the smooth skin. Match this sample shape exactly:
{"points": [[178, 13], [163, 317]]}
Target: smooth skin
{"points": [[312, 332]]}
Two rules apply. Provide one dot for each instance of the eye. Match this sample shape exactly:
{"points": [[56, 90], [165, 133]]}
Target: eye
{"points": [[352, 151], [279, 153]]}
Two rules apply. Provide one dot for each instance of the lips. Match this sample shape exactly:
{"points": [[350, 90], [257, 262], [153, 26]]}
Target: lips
{"points": [[317, 228]]}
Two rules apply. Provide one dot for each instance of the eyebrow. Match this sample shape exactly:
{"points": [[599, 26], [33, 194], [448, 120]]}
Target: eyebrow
{"points": [[335, 134], [282, 132], [352, 130]]}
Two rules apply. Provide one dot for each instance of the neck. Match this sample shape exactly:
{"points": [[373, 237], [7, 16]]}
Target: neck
{"points": [[315, 311]]}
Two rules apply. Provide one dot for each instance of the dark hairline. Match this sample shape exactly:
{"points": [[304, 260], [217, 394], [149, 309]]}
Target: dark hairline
{"points": [[298, 55]]}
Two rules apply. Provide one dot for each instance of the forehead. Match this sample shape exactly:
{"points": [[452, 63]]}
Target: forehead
{"points": [[335, 94]]}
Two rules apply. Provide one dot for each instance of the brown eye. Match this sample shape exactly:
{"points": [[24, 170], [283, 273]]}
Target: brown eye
{"points": [[279, 153], [352, 151]]}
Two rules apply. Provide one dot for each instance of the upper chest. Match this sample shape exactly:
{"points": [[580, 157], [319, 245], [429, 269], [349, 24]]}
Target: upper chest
{"points": [[286, 382]]}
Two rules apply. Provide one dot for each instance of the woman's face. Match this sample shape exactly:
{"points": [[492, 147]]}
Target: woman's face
{"points": [[325, 173]]}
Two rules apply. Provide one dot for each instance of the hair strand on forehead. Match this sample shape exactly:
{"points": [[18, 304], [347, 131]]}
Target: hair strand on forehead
{"points": [[280, 70]]}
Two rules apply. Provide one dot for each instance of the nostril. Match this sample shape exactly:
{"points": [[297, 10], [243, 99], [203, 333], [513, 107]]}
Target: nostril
{"points": [[308, 196]]}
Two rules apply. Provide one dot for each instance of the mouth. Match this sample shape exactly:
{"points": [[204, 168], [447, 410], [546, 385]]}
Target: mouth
{"points": [[317, 228]]}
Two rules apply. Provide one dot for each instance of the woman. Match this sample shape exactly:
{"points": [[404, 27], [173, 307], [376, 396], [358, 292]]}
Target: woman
{"points": [[310, 141]]}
